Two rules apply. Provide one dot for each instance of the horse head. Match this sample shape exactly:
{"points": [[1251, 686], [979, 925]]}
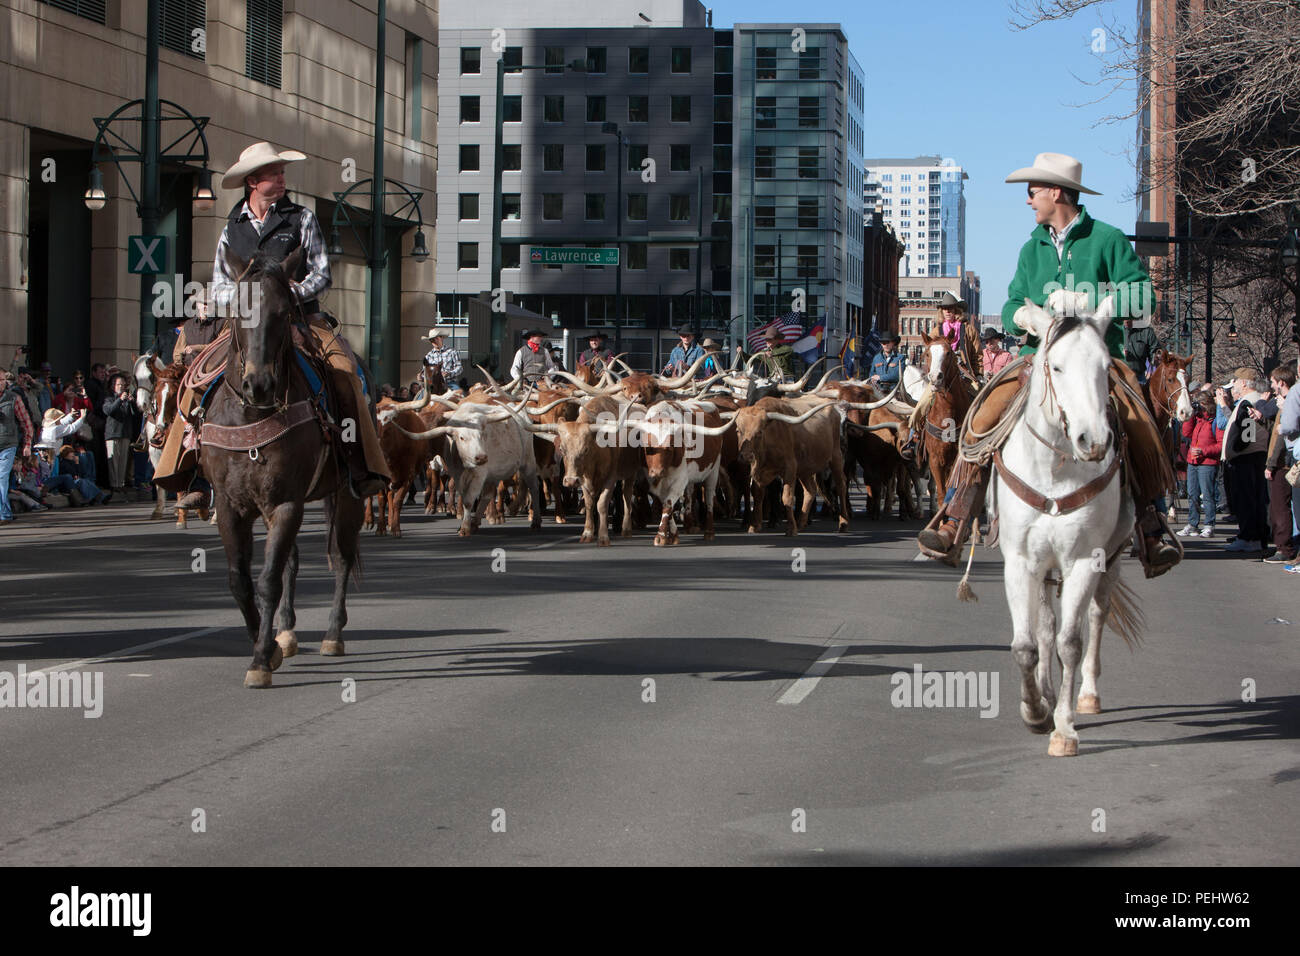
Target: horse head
{"points": [[1168, 387], [144, 372], [940, 362], [1070, 384], [260, 336]]}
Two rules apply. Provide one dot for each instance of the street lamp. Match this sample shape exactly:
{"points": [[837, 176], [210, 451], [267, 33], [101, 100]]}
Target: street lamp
{"points": [[95, 196], [203, 199], [1289, 254], [612, 129]]}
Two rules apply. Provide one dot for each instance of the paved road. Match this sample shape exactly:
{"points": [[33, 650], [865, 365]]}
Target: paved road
{"points": [[518, 699]]}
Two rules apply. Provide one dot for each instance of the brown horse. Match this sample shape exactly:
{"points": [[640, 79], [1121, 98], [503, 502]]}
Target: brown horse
{"points": [[1166, 390], [948, 395], [268, 455]]}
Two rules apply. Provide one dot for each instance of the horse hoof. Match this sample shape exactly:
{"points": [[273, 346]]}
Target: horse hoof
{"points": [[157, 515], [586, 538], [288, 642], [1061, 746], [257, 678], [213, 519], [397, 532], [660, 541], [603, 543], [463, 533], [560, 519], [331, 648], [180, 518], [1038, 725], [1088, 704], [277, 657], [708, 536]]}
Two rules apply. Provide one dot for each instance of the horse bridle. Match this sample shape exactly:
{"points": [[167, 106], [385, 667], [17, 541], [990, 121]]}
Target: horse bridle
{"points": [[281, 356], [1161, 402]]}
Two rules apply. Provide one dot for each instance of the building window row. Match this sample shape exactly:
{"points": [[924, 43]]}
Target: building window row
{"points": [[596, 59], [679, 157], [638, 109], [638, 206]]}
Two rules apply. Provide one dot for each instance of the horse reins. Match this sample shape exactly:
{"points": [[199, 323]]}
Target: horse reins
{"points": [[280, 358]]}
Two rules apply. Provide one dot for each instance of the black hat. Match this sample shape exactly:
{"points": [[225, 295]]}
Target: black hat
{"points": [[686, 330], [531, 332], [888, 336], [991, 332], [596, 334]]}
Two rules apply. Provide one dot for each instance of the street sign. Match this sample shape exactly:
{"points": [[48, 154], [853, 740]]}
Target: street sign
{"points": [[553, 256], [146, 255], [1158, 235]]}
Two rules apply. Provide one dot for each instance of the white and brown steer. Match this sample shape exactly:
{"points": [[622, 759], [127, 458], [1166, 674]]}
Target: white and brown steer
{"points": [[683, 448]]}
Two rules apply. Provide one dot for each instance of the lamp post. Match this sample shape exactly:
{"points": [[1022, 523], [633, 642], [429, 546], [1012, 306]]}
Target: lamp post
{"points": [[613, 130], [498, 160], [190, 146], [1289, 257]]}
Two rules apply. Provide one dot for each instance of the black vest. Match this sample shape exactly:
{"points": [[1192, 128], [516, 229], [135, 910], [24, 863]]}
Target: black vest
{"points": [[10, 431], [281, 235]]}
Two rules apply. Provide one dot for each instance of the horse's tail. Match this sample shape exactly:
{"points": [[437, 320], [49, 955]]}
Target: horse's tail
{"points": [[1125, 617]]}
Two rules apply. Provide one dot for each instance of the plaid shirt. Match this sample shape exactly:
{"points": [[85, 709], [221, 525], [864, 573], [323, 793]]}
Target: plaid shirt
{"points": [[313, 284], [448, 359]]}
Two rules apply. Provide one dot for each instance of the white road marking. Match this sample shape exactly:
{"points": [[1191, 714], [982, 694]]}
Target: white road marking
{"points": [[805, 685], [921, 557], [126, 651]]}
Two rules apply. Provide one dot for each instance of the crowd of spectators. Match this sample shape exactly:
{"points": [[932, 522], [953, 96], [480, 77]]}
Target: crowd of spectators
{"points": [[1240, 449], [72, 438]]}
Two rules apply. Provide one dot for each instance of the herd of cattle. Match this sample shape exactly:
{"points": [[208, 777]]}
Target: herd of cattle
{"points": [[667, 447]]}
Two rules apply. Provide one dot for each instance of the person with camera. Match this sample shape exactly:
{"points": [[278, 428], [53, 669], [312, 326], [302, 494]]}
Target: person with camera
{"points": [[117, 432], [1202, 445]]}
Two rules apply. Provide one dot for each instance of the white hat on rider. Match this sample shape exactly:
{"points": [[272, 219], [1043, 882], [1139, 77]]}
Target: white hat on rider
{"points": [[254, 158]]}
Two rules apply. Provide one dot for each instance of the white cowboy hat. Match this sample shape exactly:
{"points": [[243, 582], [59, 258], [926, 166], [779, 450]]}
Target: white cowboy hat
{"points": [[434, 334], [253, 159], [1055, 169]]}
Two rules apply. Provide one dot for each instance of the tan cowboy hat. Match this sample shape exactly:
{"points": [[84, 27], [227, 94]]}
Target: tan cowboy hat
{"points": [[253, 159], [950, 301], [434, 334], [52, 417], [708, 344], [1055, 169]]}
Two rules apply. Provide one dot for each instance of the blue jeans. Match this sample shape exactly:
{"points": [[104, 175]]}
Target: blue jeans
{"points": [[1202, 487], [62, 484], [6, 466], [87, 462]]}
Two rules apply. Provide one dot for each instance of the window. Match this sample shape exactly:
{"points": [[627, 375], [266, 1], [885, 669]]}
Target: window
{"points": [[679, 207], [470, 57], [552, 207], [509, 256], [468, 206], [638, 59], [595, 158], [810, 159], [512, 108], [637, 207], [810, 64], [721, 208], [595, 109], [511, 207], [765, 262], [722, 60], [413, 108], [180, 20], [681, 109], [809, 111], [765, 217], [554, 59], [765, 63], [514, 57], [262, 41], [809, 213], [553, 109], [595, 207], [92, 10], [722, 109], [681, 59], [637, 153], [679, 157], [638, 109], [595, 59], [512, 157], [469, 109], [807, 261], [679, 259], [722, 159], [636, 256], [467, 255], [468, 159], [764, 162], [553, 157]]}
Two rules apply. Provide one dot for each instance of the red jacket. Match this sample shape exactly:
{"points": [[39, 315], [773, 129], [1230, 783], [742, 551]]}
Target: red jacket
{"points": [[1199, 432]]}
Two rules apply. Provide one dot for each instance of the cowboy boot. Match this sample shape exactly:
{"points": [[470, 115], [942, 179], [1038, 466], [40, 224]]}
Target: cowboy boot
{"points": [[1157, 556], [943, 537]]}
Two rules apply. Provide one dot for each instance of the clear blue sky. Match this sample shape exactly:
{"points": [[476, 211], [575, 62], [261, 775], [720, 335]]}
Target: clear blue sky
{"points": [[953, 78]]}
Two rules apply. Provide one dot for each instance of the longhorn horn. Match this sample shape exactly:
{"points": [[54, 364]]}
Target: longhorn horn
{"points": [[416, 404], [496, 387], [868, 406], [710, 430], [826, 377], [436, 432], [667, 383], [798, 419], [581, 384], [544, 428], [798, 386], [534, 410], [894, 427]]}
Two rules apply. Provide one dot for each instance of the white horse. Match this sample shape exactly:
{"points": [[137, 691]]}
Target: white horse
{"points": [[1062, 507], [144, 372]]}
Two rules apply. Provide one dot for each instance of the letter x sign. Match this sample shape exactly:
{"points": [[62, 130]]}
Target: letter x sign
{"points": [[146, 255]]}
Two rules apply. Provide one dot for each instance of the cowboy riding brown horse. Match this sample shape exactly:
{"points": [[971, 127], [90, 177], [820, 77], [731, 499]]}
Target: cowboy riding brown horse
{"points": [[267, 450]]}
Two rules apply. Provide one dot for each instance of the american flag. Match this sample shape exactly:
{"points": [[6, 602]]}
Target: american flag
{"points": [[790, 327]]}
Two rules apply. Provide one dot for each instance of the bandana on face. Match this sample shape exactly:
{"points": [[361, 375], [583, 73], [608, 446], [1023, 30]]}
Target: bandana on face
{"points": [[535, 346]]}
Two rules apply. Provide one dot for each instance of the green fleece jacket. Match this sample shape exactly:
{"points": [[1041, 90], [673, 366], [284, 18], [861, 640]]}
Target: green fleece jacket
{"points": [[1094, 253]]}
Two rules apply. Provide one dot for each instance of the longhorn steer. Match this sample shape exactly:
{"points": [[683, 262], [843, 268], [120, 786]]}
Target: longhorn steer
{"points": [[406, 457], [683, 448], [597, 454], [792, 441]]}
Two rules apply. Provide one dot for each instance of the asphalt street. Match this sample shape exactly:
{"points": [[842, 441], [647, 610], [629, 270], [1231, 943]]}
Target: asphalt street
{"points": [[723, 703]]}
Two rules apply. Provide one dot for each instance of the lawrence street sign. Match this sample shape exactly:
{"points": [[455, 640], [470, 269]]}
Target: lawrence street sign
{"points": [[552, 256]]}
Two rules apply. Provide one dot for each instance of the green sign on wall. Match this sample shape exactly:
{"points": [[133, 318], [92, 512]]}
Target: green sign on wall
{"points": [[553, 256]]}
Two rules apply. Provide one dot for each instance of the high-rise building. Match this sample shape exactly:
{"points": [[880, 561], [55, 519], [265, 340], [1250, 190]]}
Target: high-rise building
{"points": [[771, 113], [924, 199]]}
